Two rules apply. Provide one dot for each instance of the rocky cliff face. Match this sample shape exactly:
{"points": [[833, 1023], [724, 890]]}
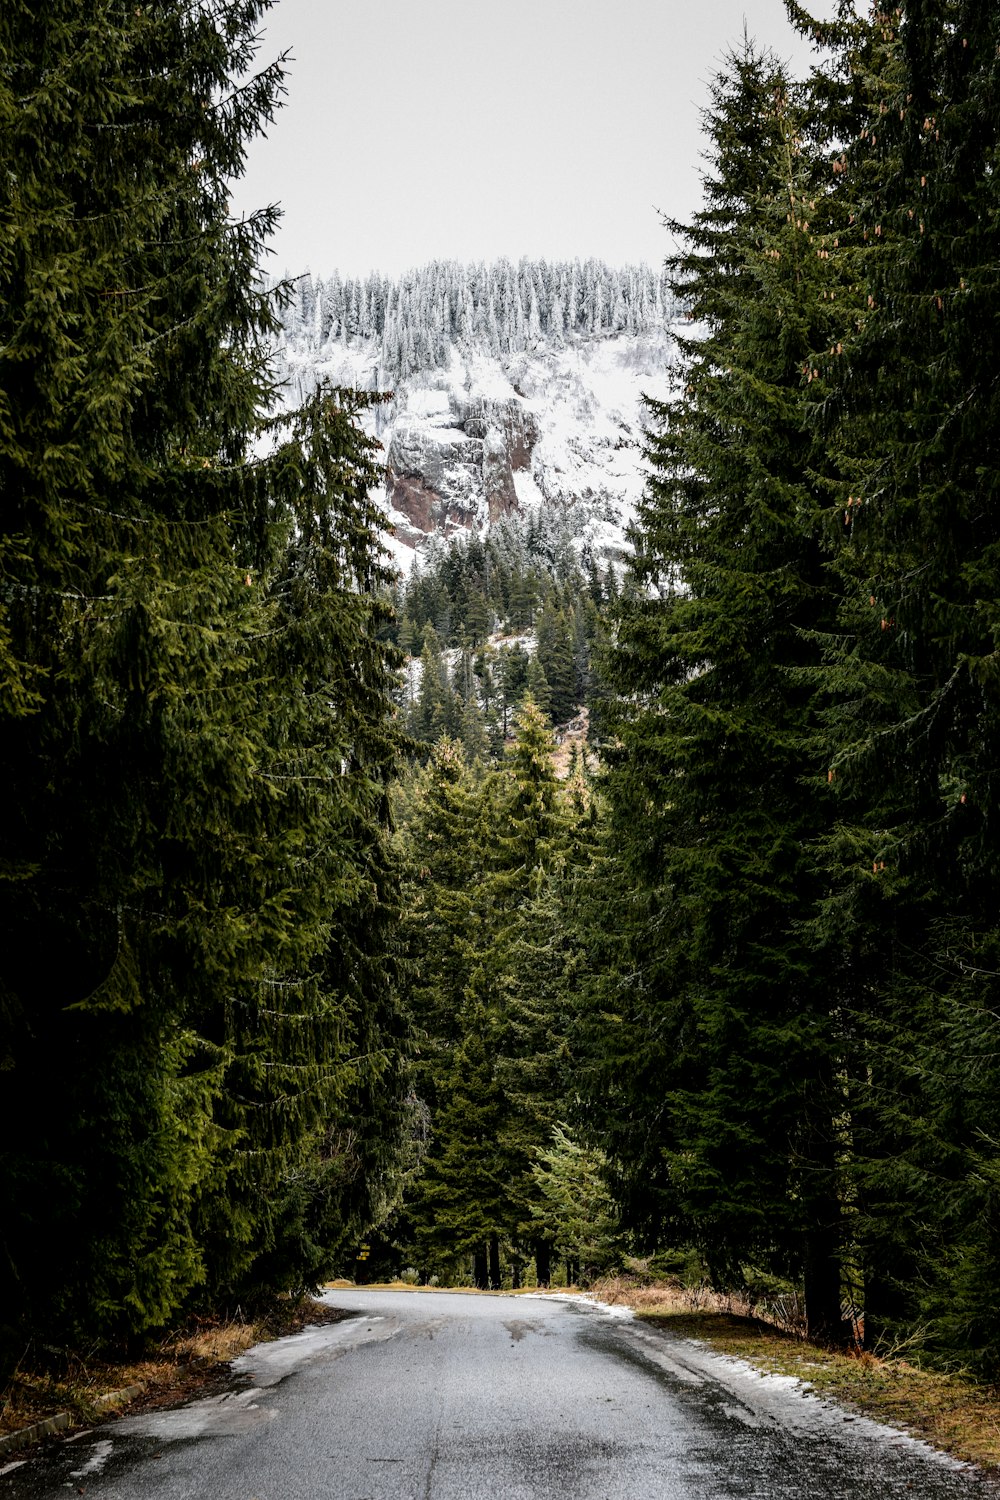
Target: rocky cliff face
{"points": [[451, 461]]}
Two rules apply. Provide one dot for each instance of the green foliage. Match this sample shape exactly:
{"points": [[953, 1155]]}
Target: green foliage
{"points": [[492, 958], [574, 1208], [197, 914], [917, 723], [717, 788], [789, 1059], [556, 661]]}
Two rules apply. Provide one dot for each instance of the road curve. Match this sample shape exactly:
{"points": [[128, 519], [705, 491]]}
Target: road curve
{"points": [[445, 1396]]}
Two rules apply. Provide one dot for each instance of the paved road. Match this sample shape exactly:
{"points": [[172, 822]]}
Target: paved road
{"points": [[440, 1396]]}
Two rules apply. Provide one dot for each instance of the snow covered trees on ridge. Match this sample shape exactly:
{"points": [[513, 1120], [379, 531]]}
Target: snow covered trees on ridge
{"points": [[507, 307]]}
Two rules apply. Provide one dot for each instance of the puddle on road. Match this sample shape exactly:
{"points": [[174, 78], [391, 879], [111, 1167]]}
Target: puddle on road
{"points": [[427, 1328], [518, 1327]]}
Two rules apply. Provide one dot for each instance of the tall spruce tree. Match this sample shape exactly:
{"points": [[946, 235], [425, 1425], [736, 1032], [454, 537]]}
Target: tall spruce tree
{"points": [[544, 949], [491, 965], [196, 730], [913, 868], [724, 1090], [556, 659]]}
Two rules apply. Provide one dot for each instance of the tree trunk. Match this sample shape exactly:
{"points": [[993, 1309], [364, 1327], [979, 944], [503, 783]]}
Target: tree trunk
{"points": [[515, 1274], [822, 1274], [572, 1271], [885, 1306], [480, 1274], [494, 1263], [823, 1239], [543, 1262], [824, 1322]]}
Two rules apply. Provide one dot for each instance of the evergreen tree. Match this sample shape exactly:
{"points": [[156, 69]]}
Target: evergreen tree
{"points": [[573, 1205], [440, 814], [557, 659], [435, 712], [475, 737], [492, 973], [537, 688], [716, 789], [460, 1202], [912, 869], [196, 705], [453, 1205], [512, 675], [542, 856]]}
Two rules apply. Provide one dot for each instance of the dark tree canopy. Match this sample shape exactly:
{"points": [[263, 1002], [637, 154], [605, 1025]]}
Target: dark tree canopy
{"points": [[196, 910]]}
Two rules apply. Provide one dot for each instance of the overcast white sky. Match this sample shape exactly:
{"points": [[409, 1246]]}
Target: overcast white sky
{"points": [[424, 129]]}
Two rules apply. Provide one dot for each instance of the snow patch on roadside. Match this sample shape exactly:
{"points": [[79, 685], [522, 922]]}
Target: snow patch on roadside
{"points": [[584, 1299], [95, 1463], [763, 1398], [215, 1416], [269, 1364]]}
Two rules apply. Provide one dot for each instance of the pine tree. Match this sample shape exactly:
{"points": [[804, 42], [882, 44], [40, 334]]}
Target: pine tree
{"points": [[542, 858], [537, 688], [197, 713], [716, 790], [913, 868], [556, 657], [452, 1206], [573, 1205], [439, 815], [512, 676], [492, 974], [434, 708], [460, 1201]]}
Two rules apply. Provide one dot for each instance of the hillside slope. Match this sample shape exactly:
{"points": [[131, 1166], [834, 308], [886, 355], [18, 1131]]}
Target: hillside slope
{"points": [[516, 388]]}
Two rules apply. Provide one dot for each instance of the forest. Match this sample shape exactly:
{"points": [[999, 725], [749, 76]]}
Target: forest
{"points": [[521, 913], [502, 307]]}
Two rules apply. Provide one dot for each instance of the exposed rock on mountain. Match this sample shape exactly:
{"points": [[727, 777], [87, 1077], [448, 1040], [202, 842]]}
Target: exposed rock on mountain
{"points": [[451, 462]]}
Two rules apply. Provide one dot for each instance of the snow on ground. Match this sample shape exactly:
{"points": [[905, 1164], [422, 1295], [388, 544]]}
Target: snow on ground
{"points": [[400, 555], [583, 396], [526, 488]]}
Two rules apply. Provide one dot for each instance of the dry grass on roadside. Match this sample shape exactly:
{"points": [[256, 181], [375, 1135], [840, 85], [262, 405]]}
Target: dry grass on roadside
{"points": [[955, 1414], [178, 1365], [671, 1299]]}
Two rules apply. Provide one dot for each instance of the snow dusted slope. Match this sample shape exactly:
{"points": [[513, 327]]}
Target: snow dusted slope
{"points": [[497, 412]]}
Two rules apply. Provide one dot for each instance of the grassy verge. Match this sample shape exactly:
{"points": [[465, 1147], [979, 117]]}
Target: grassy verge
{"points": [[955, 1414], [90, 1388]]}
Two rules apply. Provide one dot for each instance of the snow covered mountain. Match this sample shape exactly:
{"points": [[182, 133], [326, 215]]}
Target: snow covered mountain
{"points": [[517, 388]]}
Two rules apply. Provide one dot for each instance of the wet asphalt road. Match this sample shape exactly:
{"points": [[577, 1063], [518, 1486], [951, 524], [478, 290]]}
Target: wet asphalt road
{"points": [[438, 1396]]}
